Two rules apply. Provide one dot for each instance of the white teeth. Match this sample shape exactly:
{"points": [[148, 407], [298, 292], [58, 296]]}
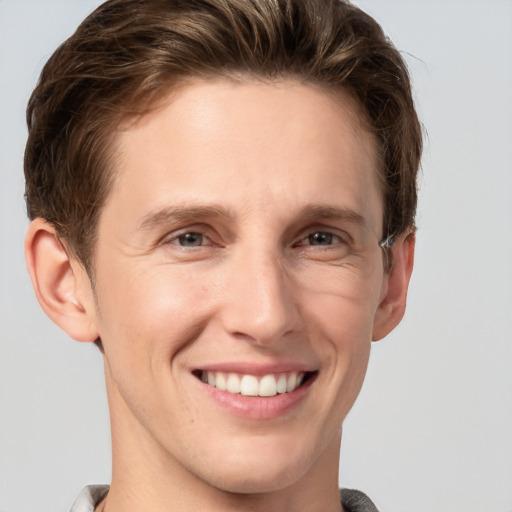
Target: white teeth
{"points": [[268, 386], [233, 384], [281, 383], [220, 381], [249, 385], [291, 382]]}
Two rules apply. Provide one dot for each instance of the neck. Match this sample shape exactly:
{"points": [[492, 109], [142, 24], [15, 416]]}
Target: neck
{"points": [[172, 498], [168, 487]]}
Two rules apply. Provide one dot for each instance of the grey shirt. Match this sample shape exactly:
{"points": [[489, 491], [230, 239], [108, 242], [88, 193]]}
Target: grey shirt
{"points": [[352, 501]]}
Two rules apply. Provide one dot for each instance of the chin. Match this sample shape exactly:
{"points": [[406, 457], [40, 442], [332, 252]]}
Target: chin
{"points": [[257, 480], [261, 469]]}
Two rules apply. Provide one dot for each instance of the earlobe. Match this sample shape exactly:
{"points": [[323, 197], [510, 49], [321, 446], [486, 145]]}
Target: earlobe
{"points": [[392, 306], [60, 283]]}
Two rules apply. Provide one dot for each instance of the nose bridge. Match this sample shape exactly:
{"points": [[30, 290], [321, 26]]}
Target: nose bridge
{"points": [[259, 303]]}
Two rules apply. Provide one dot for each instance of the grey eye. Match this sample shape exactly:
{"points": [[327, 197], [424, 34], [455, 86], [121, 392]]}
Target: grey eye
{"points": [[322, 238], [190, 239]]}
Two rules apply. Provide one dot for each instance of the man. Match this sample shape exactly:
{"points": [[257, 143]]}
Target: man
{"points": [[222, 197]]}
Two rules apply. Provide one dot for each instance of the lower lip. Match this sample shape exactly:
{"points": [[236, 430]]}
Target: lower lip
{"points": [[257, 407]]}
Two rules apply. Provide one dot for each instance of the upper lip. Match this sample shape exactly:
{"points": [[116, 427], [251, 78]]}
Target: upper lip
{"points": [[246, 368]]}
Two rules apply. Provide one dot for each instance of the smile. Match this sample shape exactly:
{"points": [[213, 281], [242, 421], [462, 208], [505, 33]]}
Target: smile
{"points": [[251, 385]]}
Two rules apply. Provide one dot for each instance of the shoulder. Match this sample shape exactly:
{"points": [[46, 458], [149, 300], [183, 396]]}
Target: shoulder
{"points": [[356, 501], [89, 498]]}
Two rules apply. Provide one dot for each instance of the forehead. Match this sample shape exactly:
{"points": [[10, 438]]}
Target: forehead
{"points": [[252, 143]]}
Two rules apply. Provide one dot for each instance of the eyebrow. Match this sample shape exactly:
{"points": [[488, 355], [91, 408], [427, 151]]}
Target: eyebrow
{"points": [[182, 212], [332, 212]]}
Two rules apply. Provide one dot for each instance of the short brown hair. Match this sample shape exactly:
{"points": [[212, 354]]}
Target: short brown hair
{"points": [[127, 53]]}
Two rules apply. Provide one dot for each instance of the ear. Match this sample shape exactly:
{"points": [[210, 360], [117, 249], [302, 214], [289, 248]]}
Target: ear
{"points": [[394, 293], [60, 282]]}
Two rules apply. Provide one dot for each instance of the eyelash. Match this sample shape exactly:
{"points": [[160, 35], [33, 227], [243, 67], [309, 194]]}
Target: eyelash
{"points": [[331, 237], [307, 240], [174, 240]]}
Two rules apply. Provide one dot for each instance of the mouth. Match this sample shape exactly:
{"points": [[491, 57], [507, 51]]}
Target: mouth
{"points": [[268, 385]]}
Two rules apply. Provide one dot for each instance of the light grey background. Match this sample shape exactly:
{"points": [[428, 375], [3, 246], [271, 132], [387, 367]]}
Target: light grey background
{"points": [[432, 430]]}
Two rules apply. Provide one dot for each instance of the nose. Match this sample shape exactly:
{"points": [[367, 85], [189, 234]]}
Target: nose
{"points": [[259, 305]]}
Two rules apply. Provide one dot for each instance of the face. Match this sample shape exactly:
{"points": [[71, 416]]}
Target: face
{"points": [[237, 281]]}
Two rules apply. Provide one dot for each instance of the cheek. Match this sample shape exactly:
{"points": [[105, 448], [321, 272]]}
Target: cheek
{"points": [[343, 328], [341, 322], [344, 306], [152, 312]]}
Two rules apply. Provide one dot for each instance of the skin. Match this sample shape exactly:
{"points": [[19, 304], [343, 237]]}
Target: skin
{"points": [[252, 171]]}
